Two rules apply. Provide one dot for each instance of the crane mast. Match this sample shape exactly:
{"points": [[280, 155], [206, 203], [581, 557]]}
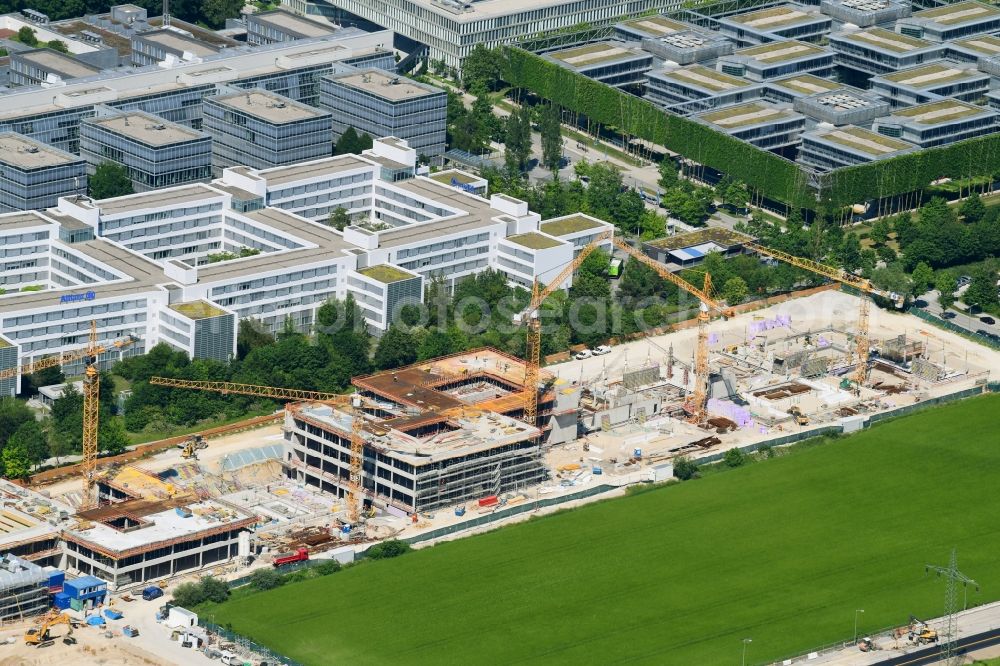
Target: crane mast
{"points": [[354, 402]]}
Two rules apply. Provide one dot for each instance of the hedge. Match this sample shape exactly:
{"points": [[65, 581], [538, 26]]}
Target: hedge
{"points": [[774, 176], [777, 177]]}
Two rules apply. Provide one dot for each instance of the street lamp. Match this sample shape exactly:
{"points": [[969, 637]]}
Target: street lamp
{"points": [[746, 642], [859, 610]]}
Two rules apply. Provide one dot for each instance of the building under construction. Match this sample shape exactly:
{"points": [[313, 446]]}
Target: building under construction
{"points": [[444, 432]]}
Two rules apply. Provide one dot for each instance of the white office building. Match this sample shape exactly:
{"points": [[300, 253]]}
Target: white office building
{"points": [[182, 265]]}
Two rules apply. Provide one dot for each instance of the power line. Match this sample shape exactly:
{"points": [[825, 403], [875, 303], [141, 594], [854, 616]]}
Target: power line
{"points": [[953, 577]]}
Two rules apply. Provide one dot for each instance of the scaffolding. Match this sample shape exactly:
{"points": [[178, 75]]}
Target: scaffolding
{"points": [[23, 589]]}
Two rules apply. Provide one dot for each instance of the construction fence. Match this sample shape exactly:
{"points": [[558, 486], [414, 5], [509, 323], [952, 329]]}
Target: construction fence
{"points": [[244, 646], [954, 328]]}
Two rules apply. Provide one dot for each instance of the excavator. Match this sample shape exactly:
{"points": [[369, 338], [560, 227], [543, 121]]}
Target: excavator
{"points": [[192, 446], [39, 635], [921, 633]]}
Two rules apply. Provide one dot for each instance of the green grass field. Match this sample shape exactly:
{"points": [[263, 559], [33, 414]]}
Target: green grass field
{"points": [[781, 551]]}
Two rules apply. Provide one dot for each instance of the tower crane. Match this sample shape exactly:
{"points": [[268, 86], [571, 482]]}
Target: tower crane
{"points": [[354, 402], [862, 341], [91, 397], [696, 403]]}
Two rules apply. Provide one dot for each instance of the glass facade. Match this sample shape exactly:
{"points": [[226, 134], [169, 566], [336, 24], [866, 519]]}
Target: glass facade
{"points": [[243, 139], [149, 166], [39, 188], [420, 121]]}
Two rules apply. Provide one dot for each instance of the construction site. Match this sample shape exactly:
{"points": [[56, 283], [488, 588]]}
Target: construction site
{"points": [[431, 445]]}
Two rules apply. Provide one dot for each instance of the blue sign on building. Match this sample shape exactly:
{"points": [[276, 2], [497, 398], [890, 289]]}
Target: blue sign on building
{"points": [[73, 298]]}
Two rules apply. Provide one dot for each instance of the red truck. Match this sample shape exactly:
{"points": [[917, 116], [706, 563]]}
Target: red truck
{"points": [[301, 555]]}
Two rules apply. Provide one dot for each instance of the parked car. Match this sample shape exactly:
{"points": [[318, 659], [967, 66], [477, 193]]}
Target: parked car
{"points": [[964, 280], [152, 592], [988, 320], [580, 355], [947, 314], [920, 303], [601, 350]]}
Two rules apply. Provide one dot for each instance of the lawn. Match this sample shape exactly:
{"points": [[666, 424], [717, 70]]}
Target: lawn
{"points": [[782, 551]]}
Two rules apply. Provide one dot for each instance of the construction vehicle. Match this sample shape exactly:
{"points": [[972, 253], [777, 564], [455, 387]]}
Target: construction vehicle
{"points": [[921, 633], [300, 555], [40, 635], [192, 446], [862, 341], [797, 414], [91, 398], [353, 402]]}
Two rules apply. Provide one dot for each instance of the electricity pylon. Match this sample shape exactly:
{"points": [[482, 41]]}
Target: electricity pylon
{"points": [[953, 577]]}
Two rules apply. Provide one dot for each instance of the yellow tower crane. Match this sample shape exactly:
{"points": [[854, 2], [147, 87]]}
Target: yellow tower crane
{"points": [[697, 402], [91, 397], [354, 402], [699, 397], [862, 341]]}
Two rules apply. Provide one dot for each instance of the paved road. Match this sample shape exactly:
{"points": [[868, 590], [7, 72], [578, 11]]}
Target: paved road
{"points": [[971, 324]]}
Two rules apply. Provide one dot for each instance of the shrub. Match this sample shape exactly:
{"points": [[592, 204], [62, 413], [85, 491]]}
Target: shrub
{"points": [[326, 568], [188, 595], [766, 451], [387, 549], [734, 458], [214, 589], [685, 468], [266, 579]]}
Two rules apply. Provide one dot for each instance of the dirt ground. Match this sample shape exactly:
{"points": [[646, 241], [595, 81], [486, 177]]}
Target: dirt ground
{"points": [[91, 648]]}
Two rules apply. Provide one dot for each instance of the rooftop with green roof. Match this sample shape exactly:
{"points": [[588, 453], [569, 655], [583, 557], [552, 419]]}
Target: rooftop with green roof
{"points": [[987, 45], [385, 273], [887, 39], [865, 141], [592, 54], [534, 241], [926, 76], [940, 111], [198, 310], [780, 51], [656, 25], [744, 115], [781, 16], [706, 78], [717, 235], [959, 12], [806, 83], [460, 176], [568, 225]]}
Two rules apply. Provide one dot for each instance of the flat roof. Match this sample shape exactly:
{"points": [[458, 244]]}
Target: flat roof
{"points": [[594, 54], [718, 235], [534, 241], [321, 167], [198, 310], [268, 106], [744, 115], [146, 128], [570, 224], [174, 196], [774, 52], [228, 65], [706, 78], [807, 84], [459, 175], [936, 73], [958, 13], [24, 152], [291, 22], [4, 343], [66, 66], [864, 141], [163, 522], [178, 41], [988, 45], [656, 26], [886, 40], [388, 86], [778, 17], [386, 273], [940, 112]]}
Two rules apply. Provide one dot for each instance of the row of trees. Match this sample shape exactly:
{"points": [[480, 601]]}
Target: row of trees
{"points": [[212, 13]]}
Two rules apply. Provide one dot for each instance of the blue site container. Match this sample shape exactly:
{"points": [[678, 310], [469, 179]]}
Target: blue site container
{"points": [[56, 578], [86, 589], [61, 601]]}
